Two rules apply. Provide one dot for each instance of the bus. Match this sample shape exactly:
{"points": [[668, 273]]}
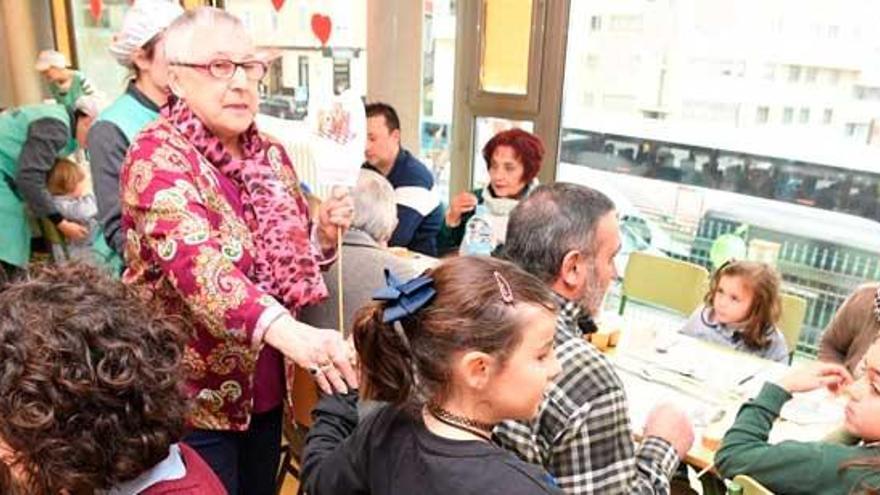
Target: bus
{"points": [[840, 176]]}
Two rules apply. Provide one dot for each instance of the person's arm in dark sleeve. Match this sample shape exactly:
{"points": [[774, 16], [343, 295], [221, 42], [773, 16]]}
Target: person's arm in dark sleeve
{"points": [[107, 148], [408, 221], [45, 139], [333, 458], [449, 238]]}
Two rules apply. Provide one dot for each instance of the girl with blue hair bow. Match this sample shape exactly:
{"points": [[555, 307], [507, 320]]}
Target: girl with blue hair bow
{"points": [[449, 355]]}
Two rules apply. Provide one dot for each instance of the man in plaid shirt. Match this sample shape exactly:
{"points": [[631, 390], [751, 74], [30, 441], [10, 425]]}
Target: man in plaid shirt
{"points": [[568, 236]]}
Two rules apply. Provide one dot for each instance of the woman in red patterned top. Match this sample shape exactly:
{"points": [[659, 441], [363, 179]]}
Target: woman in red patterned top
{"points": [[219, 231]]}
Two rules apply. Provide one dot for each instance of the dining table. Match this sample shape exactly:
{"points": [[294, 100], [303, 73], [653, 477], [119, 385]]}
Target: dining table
{"points": [[710, 383]]}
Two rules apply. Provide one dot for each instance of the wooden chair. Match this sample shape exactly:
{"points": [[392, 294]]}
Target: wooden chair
{"points": [[665, 282], [751, 486], [791, 322], [296, 425]]}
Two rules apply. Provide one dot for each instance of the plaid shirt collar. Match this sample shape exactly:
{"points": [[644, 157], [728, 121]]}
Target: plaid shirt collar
{"points": [[570, 312]]}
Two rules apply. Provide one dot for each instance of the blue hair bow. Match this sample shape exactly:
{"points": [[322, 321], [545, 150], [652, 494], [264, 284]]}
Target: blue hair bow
{"points": [[404, 298]]}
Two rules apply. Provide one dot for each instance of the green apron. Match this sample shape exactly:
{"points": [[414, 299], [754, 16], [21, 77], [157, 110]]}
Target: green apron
{"points": [[15, 234], [130, 117]]}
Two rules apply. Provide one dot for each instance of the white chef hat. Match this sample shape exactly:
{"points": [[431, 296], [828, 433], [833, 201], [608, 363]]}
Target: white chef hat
{"points": [[50, 58], [144, 20]]}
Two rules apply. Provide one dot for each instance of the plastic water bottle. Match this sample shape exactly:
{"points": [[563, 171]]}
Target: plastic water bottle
{"points": [[478, 237]]}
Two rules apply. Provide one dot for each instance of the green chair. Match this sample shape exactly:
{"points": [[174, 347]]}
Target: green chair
{"points": [[750, 486], [791, 321], [665, 282]]}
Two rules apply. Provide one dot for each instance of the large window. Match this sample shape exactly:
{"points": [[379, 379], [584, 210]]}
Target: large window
{"points": [[438, 62], [709, 117], [92, 40], [308, 68]]}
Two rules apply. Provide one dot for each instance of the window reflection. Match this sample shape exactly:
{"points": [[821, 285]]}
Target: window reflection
{"points": [[683, 111]]}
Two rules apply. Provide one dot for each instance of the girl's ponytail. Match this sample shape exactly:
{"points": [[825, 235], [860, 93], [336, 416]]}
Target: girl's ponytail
{"points": [[385, 358]]}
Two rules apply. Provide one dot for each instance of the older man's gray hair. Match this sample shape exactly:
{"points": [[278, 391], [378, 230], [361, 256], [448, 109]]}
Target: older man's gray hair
{"points": [[554, 220], [179, 37], [375, 209]]}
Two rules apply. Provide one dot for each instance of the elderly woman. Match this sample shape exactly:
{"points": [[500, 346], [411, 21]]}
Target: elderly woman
{"points": [[853, 329], [218, 230], [364, 251], [138, 47], [513, 158]]}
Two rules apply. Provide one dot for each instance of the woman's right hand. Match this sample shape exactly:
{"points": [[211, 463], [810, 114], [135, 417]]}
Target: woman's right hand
{"points": [[462, 203], [322, 352]]}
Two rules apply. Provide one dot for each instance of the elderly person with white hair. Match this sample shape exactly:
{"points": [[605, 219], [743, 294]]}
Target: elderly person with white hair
{"points": [[137, 46], [31, 138], [218, 231], [365, 253]]}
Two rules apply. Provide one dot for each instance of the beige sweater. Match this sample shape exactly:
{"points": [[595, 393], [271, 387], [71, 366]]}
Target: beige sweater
{"points": [[852, 330]]}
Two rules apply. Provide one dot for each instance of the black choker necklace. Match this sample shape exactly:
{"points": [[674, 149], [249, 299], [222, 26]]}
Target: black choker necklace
{"points": [[472, 426]]}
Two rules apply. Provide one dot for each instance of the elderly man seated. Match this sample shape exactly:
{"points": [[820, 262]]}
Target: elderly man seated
{"points": [[364, 252]]}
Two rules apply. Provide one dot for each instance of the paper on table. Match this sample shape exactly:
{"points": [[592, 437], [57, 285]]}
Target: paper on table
{"points": [[338, 127]]}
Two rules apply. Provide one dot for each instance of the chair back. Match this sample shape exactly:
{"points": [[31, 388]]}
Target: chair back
{"points": [[791, 322], [672, 284], [751, 486], [305, 396]]}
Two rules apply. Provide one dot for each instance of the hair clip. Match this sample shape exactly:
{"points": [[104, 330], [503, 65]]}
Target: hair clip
{"points": [[504, 288]]}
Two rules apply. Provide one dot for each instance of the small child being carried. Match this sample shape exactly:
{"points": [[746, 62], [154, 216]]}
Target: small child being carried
{"points": [[69, 188]]}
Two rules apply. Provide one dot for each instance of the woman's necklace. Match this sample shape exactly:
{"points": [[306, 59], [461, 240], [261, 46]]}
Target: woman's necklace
{"points": [[472, 426]]}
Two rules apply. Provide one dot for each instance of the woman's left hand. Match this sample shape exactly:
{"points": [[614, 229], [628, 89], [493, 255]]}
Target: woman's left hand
{"points": [[830, 375], [335, 217]]}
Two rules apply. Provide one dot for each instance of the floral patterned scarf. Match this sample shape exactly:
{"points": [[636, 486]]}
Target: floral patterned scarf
{"points": [[275, 211]]}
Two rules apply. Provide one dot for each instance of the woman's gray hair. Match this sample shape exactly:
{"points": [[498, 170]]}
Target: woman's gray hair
{"points": [[375, 208], [180, 35]]}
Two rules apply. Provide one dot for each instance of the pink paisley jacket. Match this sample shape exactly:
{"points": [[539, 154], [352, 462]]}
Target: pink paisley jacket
{"points": [[188, 245]]}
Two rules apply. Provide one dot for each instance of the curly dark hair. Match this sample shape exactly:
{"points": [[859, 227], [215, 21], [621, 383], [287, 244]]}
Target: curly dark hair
{"points": [[90, 382]]}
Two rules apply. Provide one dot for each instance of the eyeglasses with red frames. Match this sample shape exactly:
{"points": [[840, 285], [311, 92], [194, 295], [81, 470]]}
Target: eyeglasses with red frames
{"points": [[254, 70]]}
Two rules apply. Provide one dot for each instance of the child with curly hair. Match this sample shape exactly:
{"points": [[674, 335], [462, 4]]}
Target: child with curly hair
{"points": [[90, 390]]}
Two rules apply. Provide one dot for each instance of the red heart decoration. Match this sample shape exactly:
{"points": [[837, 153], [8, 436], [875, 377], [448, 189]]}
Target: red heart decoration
{"points": [[278, 4], [96, 7], [321, 26]]}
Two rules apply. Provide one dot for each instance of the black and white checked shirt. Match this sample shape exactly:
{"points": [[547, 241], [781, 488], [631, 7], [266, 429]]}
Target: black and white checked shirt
{"points": [[582, 434]]}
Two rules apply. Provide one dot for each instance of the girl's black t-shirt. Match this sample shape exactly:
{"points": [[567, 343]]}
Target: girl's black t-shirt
{"points": [[392, 452]]}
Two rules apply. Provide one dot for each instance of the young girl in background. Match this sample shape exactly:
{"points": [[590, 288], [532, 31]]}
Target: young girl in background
{"points": [[451, 354], [741, 310], [69, 188]]}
